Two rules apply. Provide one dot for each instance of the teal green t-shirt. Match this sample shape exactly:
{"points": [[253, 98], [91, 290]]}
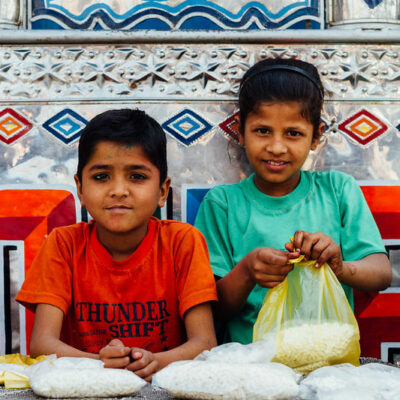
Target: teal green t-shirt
{"points": [[237, 218]]}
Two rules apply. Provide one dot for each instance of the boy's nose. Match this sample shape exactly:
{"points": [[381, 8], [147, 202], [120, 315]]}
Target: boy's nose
{"points": [[119, 188]]}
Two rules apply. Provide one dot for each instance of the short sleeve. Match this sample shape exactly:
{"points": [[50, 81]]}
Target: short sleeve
{"points": [[194, 278], [212, 221], [360, 235], [49, 278]]}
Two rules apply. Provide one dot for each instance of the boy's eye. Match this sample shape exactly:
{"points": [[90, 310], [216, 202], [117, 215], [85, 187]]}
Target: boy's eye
{"points": [[102, 176]]}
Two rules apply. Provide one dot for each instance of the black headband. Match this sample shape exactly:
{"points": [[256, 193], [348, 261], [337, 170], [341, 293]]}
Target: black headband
{"points": [[284, 67]]}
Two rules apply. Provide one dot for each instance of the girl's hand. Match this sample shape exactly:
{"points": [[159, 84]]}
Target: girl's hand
{"points": [[319, 247], [115, 354], [268, 267], [143, 363]]}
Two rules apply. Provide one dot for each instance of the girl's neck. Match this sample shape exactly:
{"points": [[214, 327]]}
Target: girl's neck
{"points": [[277, 189]]}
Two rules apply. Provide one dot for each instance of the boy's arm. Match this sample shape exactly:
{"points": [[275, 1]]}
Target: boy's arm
{"points": [[45, 339], [200, 334]]}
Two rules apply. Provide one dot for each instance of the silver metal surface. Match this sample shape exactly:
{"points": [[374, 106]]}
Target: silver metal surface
{"points": [[306, 36], [351, 14], [164, 73], [11, 13]]}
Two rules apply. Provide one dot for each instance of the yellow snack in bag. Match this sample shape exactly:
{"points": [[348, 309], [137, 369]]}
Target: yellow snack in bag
{"points": [[310, 320]]}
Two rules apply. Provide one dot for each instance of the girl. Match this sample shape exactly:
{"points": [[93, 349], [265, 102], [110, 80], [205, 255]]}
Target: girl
{"points": [[247, 224]]}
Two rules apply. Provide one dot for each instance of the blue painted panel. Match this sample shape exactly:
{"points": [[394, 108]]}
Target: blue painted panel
{"points": [[176, 15], [193, 199]]}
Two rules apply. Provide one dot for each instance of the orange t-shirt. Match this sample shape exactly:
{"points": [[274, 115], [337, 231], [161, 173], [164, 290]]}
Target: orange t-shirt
{"points": [[140, 300]]}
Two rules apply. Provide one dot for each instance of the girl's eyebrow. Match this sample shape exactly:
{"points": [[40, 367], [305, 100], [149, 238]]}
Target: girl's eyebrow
{"points": [[128, 167]]}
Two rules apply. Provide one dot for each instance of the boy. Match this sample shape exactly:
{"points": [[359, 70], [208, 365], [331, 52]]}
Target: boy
{"points": [[125, 288]]}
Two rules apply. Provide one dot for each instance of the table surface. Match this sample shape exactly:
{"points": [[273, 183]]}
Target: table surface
{"points": [[149, 392]]}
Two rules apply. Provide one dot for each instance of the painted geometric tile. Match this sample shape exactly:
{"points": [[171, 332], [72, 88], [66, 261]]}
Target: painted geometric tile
{"points": [[373, 3], [176, 14], [187, 126], [363, 127], [66, 125], [12, 125], [231, 127]]}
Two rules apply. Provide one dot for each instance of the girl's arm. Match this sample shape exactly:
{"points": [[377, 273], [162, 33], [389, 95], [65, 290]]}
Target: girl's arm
{"points": [[264, 266], [45, 339], [200, 334], [371, 273]]}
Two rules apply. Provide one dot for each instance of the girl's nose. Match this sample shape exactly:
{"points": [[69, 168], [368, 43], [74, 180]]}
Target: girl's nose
{"points": [[276, 145]]}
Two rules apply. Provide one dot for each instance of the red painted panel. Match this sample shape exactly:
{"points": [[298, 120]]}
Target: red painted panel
{"points": [[30, 215]]}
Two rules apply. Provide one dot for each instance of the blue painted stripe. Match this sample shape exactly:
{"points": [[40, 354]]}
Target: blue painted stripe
{"points": [[185, 6], [174, 19]]}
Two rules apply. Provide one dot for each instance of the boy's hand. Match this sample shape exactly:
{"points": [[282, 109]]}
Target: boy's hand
{"points": [[319, 247], [143, 363], [268, 267], [115, 354]]}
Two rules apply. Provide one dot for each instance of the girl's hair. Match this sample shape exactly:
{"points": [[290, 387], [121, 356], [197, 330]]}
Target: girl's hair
{"points": [[282, 80]]}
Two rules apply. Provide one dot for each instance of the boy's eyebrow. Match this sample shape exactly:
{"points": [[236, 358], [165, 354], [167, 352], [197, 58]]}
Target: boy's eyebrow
{"points": [[128, 167]]}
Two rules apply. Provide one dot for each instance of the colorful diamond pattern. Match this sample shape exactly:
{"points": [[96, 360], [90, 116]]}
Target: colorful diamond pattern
{"points": [[66, 125], [12, 125], [231, 127], [363, 127], [187, 127]]}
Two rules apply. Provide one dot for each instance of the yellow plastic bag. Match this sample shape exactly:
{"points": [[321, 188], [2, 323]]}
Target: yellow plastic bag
{"points": [[13, 370], [310, 320]]}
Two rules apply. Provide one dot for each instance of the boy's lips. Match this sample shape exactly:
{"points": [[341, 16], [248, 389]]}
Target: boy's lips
{"points": [[118, 208]]}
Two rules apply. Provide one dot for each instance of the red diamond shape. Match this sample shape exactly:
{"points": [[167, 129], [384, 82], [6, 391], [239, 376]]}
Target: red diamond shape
{"points": [[363, 127], [12, 125], [231, 127]]}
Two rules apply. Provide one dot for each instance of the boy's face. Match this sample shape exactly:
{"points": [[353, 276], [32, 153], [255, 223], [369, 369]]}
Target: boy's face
{"points": [[278, 140], [120, 188]]}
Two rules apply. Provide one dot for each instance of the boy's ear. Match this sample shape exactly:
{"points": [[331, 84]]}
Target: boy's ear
{"points": [[79, 189], [317, 137], [164, 190]]}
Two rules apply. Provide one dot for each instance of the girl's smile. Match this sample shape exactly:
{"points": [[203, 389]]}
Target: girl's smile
{"points": [[278, 140]]}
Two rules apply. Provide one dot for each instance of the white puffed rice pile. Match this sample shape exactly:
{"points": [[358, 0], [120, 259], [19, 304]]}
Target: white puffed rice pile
{"points": [[207, 380], [308, 347], [68, 378]]}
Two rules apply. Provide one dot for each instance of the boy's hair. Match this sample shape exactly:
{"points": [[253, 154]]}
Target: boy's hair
{"points": [[282, 80], [127, 127]]}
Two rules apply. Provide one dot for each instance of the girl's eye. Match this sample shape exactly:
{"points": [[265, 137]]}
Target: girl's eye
{"points": [[294, 133], [137, 176], [262, 131], [100, 177]]}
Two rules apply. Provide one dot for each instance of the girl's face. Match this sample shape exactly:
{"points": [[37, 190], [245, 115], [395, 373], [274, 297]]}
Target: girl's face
{"points": [[278, 139]]}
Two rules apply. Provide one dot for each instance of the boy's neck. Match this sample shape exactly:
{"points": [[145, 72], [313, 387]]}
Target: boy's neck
{"points": [[121, 245]]}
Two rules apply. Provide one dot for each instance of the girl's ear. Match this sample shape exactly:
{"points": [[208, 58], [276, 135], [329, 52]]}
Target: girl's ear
{"points": [[164, 190], [317, 136], [240, 133]]}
